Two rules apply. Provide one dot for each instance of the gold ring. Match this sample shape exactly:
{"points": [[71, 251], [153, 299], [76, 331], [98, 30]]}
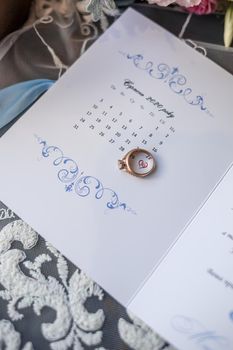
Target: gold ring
{"points": [[138, 162]]}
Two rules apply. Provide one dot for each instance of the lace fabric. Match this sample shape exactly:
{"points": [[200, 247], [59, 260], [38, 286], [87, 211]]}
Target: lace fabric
{"points": [[48, 303]]}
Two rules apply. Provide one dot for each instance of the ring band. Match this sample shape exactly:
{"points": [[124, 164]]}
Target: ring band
{"points": [[138, 162]]}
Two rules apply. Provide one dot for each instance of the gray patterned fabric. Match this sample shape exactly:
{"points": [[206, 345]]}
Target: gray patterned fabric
{"points": [[48, 303]]}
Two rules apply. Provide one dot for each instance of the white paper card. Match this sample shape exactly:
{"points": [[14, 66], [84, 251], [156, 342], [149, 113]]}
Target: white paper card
{"points": [[192, 290], [137, 86]]}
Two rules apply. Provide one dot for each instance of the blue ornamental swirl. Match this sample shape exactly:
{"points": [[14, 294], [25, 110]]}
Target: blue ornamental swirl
{"points": [[67, 174], [76, 182], [195, 332], [83, 188], [169, 75]]}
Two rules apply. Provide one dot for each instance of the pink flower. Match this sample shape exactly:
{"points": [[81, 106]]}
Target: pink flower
{"points": [[205, 7], [183, 3]]}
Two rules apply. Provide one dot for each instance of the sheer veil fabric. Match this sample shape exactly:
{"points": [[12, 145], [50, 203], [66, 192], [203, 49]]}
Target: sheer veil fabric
{"points": [[54, 36]]}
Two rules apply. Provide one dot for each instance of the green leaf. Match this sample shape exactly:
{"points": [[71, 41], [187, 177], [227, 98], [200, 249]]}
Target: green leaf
{"points": [[228, 26]]}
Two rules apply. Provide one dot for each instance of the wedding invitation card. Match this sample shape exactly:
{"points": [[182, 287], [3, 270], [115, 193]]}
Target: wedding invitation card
{"points": [[192, 289], [137, 86]]}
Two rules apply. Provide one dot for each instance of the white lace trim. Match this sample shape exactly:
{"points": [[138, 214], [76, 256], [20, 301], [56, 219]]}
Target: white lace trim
{"points": [[10, 339], [74, 325], [6, 214]]}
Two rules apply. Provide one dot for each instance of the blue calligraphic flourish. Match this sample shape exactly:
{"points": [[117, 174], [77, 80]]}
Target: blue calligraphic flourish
{"points": [[170, 76], [75, 181], [195, 332]]}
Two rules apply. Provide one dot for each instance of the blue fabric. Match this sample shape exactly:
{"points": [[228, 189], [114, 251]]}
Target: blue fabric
{"points": [[16, 99]]}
